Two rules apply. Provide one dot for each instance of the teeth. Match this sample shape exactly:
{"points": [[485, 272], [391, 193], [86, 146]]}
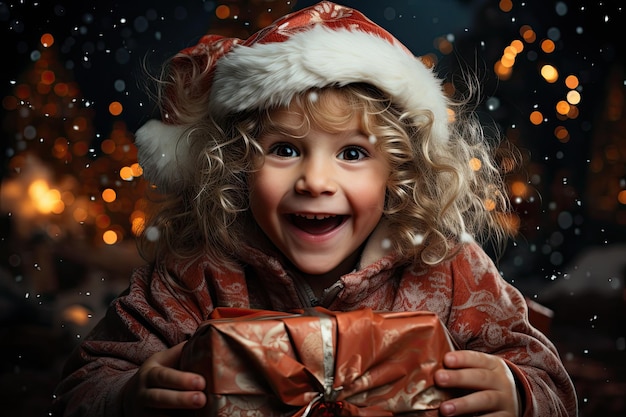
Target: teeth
{"points": [[316, 216]]}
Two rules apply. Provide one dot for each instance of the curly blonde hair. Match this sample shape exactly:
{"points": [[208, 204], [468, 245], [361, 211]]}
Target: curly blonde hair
{"points": [[438, 193]]}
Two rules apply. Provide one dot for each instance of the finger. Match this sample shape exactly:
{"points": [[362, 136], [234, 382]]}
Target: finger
{"points": [[484, 403], [472, 378], [160, 372], [470, 359], [475, 370], [170, 399], [477, 379], [162, 377]]}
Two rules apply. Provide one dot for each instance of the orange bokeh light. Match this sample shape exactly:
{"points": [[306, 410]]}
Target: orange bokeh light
{"points": [[518, 46], [60, 148], [47, 40], [518, 188], [549, 73], [115, 108], [548, 46], [80, 214], [136, 169], [506, 5], [109, 237], [126, 173], [571, 81], [562, 134], [536, 117], [475, 164], [502, 71], [109, 195], [528, 34], [47, 77], [562, 107], [490, 205], [222, 12]]}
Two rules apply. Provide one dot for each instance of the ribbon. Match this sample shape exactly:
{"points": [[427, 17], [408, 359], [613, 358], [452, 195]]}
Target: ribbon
{"points": [[328, 392]]}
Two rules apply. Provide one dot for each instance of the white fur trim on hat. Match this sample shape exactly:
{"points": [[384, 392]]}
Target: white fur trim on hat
{"points": [[270, 74], [162, 153]]}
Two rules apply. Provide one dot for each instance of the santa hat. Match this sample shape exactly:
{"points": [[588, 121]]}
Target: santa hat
{"points": [[322, 45]]}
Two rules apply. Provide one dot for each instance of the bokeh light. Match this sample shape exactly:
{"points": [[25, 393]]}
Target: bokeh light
{"points": [[562, 134], [109, 237], [573, 97], [549, 73], [562, 107], [475, 164], [548, 46], [115, 108], [571, 81], [528, 34], [47, 40], [536, 117], [77, 314], [505, 5], [109, 195], [222, 11]]}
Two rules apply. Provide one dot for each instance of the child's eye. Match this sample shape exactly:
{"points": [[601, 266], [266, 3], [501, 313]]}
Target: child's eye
{"points": [[284, 150], [353, 153]]}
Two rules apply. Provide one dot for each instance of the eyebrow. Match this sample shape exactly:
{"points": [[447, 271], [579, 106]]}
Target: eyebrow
{"points": [[284, 129], [299, 132]]}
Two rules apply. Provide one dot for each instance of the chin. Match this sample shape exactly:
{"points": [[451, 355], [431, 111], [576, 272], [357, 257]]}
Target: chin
{"points": [[313, 271], [314, 268]]}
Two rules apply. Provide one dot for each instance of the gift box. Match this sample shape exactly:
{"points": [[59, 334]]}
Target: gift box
{"points": [[318, 363]]}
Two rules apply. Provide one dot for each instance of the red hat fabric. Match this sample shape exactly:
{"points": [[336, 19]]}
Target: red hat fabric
{"points": [[319, 46]]}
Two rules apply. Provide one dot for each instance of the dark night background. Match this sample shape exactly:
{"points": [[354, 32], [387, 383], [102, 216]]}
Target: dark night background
{"points": [[56, 277]]}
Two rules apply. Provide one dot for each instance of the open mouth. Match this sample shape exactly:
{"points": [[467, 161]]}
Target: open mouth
{"points": [[317, 224]]}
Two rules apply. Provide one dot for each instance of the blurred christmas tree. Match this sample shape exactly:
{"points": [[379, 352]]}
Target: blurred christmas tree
{"points": [[65, 184]]}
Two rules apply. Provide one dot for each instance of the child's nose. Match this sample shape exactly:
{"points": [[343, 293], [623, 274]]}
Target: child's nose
{"points": [[316, 178]]}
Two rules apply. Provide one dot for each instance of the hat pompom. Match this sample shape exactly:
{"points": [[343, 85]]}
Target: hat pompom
{"points": [[163, 153]]}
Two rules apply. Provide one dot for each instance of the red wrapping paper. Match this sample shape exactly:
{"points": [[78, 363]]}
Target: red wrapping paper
{"points": [[319, 363]]}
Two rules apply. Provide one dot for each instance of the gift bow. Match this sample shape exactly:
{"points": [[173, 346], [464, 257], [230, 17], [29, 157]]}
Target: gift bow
{"points": [[328, 402]]}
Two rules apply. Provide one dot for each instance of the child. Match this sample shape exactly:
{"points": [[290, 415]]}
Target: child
{"points": [[316, 163]]}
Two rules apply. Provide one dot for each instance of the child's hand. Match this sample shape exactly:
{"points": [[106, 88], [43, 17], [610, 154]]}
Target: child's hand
{"points": [[158, 386], [493, 392]]}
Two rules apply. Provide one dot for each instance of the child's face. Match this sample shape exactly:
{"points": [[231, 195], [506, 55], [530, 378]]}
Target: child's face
{"points": [[319, 196]]}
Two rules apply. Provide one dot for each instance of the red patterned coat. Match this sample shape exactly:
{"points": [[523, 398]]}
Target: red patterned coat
{"points": [[481, 310]]}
